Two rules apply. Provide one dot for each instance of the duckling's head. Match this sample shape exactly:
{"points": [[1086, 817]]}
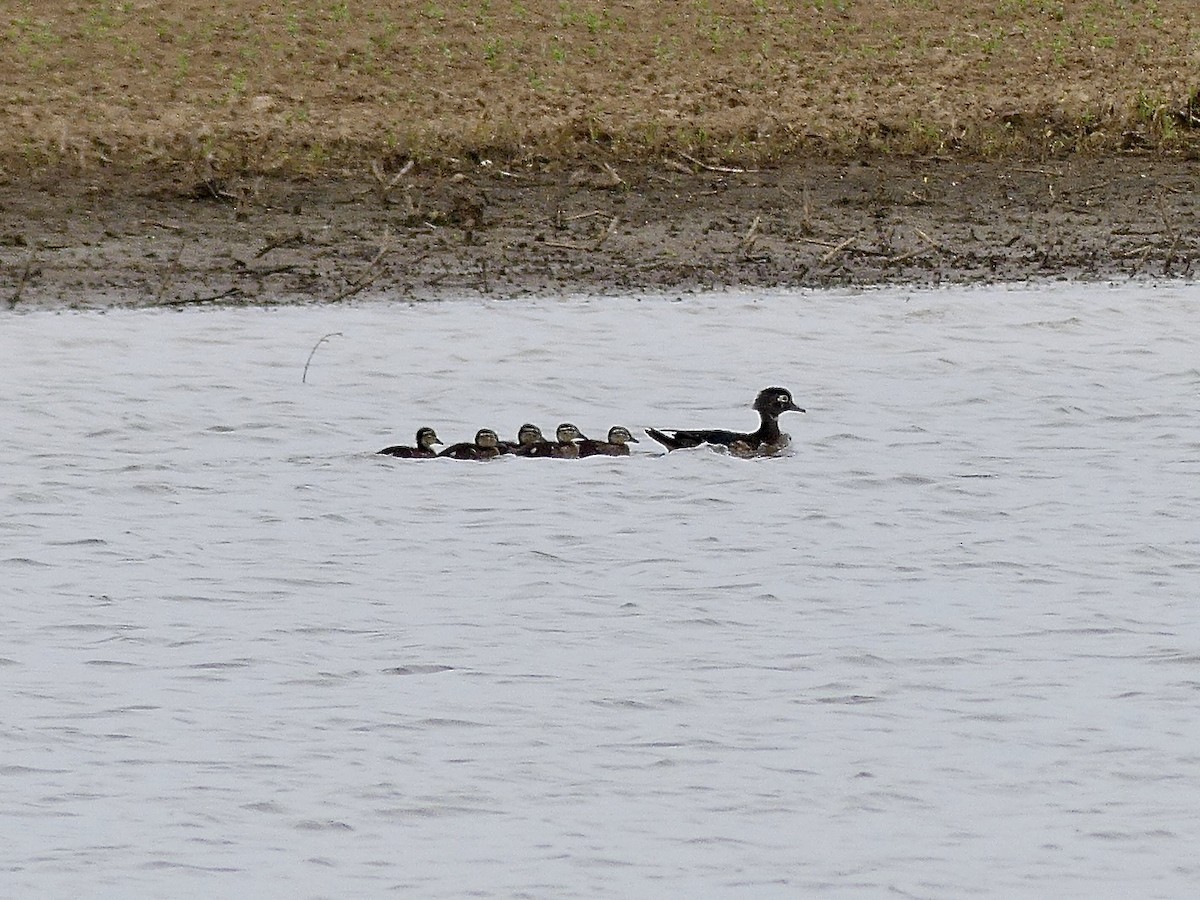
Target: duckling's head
{"points": [[619, 434], [486, 438], [426, 438], [774, 401], [567, 432], [529, 434]]}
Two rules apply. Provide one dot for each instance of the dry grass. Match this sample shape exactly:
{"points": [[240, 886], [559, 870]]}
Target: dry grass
{"points": [[301, 87]]}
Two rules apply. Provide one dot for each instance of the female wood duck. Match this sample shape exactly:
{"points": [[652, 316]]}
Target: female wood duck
{"points": [[485, 446], [563, 447], [617, 444], [426, 438], [527, 435], [768, 440]]}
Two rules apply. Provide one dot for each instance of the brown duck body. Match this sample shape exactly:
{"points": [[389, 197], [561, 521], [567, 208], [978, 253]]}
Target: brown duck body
{"points": [[767, 440], [527, 435], [562, 448], [602, 448], [617, 444], [485, 446]]}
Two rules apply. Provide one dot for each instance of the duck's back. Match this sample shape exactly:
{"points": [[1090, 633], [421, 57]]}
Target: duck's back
{"points": [[462, 451], [679, 440], [401, 452], [601, 448]]}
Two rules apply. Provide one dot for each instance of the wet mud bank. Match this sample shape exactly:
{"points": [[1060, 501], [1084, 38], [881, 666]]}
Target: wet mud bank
{"points": [[679, 226]]}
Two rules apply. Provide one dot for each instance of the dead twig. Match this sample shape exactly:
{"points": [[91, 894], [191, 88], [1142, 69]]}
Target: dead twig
{"points": [[372, 272], [817, 241], [295, 237], [860, 251], [750, 238], [1172, 233], [24, 277], [892, 260], [586, 215], [368, 278], [211, 298], [729, 170], [385, 185], [588, 248], [927, 239], [169, 275], [1141, 252], [265, 273], [311, 353], [834, 251], [608, 232], [932, 245], [750, 235], [165, 226], [1170, 256]]}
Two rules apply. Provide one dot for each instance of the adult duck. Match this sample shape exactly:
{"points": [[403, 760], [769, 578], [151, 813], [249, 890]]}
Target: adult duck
{"points": [[768, 440]]}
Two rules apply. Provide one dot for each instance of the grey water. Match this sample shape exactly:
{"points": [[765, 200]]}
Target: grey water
{"points": [[948, 647]]}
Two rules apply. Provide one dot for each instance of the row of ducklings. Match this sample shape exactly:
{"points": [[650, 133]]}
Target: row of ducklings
{"points": [[569, 443]]}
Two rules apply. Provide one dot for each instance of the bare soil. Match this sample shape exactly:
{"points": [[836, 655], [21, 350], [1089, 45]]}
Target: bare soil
{"points": [[242, 152], [602, 229]]}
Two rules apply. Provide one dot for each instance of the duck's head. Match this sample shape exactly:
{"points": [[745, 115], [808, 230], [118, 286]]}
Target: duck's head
{"points": [[529, 434], [426, 438], [619, 434], [774, 401], [487, 439], [567, 432]]}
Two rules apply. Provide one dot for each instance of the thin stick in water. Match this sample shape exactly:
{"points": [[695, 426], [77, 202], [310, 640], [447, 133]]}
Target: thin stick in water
{"points": [[324, 338]]}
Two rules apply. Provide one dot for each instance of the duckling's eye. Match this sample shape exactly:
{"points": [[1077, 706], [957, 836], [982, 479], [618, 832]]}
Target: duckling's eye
{"points": [[783, 398]]}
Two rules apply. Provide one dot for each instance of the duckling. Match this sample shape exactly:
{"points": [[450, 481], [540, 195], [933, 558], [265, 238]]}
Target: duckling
{"points": [[527, 434], [617, 444], [563, 447], [426, 438], [486, 446], [768, 440]]}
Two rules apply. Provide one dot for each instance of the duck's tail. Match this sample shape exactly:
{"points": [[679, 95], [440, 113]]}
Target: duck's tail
{"points": [[670, 441]]}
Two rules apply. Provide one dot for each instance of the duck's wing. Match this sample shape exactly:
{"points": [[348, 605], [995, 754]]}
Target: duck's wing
{"points": [[540, 450], [402, 452], [677, 440], [461, 451]]}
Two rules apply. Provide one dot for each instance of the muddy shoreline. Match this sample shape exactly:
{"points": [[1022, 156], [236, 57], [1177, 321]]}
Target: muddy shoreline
{"points": [[118, 240]]}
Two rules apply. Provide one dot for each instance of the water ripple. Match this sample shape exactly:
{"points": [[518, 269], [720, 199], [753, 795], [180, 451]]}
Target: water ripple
{"points": [[949, 641]]}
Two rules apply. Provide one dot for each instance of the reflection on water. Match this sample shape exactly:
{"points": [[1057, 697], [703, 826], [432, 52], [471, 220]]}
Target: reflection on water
{"points": [[946, 647]]}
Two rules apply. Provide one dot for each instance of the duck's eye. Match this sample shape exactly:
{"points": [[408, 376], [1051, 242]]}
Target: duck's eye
{"points": [[783, 398]]}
